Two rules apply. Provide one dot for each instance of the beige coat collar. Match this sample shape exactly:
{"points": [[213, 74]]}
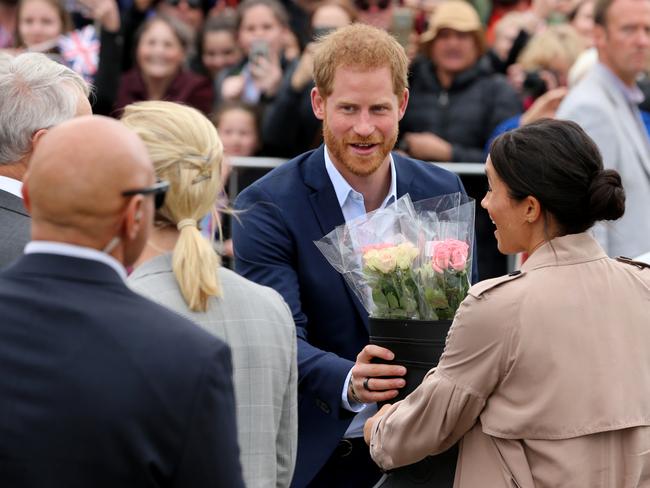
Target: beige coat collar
{"points": [[565, 250]]}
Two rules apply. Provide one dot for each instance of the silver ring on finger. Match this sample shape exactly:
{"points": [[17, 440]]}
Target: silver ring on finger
{"points": [[365, 384]]}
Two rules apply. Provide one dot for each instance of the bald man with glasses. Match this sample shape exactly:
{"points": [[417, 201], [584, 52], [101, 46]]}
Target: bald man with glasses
{"points": [[101, 387]]}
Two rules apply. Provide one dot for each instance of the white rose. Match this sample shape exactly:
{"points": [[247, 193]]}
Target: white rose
{"points": [[386, 261], [405, 254]]}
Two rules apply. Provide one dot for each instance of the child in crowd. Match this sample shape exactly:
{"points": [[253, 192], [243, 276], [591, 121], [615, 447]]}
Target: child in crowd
{"points": [[261, 28], [46, 26], [40, 25], [238, 126], [217, 48]]}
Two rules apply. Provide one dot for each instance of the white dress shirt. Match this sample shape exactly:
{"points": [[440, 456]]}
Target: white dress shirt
{"points": [[12, 186]]}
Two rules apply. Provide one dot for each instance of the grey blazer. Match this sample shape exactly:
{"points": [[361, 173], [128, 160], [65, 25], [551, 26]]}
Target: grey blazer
{"points": [[15, 228], [601, 109], [257, 325]]}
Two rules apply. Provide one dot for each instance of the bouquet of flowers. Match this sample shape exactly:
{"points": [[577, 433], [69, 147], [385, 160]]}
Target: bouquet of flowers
{"points": [[409, 264], [407, 261]]}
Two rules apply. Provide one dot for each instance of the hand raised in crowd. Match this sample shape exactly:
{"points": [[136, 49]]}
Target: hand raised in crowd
{"points": [[305, 70], [232, 87], [545, 106], [427, 146], [267, 74], [106, 12], [375, 382]]}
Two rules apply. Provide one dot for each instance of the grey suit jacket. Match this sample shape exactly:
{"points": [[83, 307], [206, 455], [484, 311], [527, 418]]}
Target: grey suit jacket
{"points": [[257, 325], [602, 111], [15, 228]]}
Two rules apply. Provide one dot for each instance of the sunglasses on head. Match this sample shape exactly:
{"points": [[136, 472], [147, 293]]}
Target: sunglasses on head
{"points": [[365, 4], [158, 190], [190, 3]]}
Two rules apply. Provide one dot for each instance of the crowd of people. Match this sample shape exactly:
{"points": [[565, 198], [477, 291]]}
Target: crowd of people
{"points": [[132, 356], [475, 69]]}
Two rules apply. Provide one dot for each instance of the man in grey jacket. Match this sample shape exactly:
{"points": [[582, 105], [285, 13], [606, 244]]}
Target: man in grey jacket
{"points": [[605, 104], [36, 94]]}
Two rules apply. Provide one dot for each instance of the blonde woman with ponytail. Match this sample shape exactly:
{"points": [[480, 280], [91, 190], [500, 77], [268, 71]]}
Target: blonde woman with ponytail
{"points": [[180, 269]]}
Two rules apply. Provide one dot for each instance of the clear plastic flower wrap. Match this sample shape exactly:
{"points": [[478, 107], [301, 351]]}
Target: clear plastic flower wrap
{"points": [[447, 237], [407, 261]]}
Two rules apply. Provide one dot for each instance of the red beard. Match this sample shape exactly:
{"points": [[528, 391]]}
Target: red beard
{"points": [[358, 165]]}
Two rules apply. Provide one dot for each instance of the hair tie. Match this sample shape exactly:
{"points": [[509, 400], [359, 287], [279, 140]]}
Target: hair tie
{"points": [[186, 223]]}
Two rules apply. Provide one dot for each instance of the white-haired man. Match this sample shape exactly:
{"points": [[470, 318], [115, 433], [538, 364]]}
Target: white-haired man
{"points": [[36, 94]]}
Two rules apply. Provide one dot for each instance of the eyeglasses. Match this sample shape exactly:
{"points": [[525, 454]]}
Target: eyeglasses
{"points": [[365, 4], [190, 3], [158, 190]]}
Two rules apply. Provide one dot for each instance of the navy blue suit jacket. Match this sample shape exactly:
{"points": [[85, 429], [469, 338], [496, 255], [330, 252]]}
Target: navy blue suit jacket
{"points": [[282, 215], [100, 387]]}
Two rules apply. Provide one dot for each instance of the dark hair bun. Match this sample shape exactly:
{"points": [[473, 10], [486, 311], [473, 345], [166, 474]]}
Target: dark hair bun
{"points": [[606, 196]]}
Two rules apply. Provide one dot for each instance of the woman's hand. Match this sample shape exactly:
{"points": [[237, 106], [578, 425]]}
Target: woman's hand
{"points": [[267, 74], [232, 87], [305, 70], [427, 146], [106, 12], [369, 426], [544, 106]]}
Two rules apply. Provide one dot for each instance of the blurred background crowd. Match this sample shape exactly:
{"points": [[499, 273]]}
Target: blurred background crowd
{"points": [[478, 68]]}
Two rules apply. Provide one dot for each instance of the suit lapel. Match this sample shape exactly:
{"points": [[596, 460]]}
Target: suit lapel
{"points": [[322, 198], [405, 183], [326, 208]]}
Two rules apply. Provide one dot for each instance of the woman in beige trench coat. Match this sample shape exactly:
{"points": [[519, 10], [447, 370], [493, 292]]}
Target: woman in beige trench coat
{"points": [[546, 372]]}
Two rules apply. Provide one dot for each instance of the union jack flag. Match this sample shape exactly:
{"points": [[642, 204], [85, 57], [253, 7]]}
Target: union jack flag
{"points": [[80, 51]]}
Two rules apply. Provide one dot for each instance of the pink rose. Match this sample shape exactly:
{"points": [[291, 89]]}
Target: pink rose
{"points": [[449, 253]]}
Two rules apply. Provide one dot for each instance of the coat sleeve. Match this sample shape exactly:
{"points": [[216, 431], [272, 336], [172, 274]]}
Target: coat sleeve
{"points": [[451, 397], [265, 252], [107, 78], [211, 453]]}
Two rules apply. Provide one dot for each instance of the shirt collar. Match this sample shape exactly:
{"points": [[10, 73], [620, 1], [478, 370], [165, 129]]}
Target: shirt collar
{"points": [[71, 250], [343, 189], [632, 94], [11, 186]]}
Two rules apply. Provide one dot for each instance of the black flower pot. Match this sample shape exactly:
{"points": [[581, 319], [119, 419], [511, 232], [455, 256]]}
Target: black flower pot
{"points": [[417, 345]]}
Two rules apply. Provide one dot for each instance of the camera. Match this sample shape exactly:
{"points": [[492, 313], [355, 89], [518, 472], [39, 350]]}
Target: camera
{"points": [[534, 85]]}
